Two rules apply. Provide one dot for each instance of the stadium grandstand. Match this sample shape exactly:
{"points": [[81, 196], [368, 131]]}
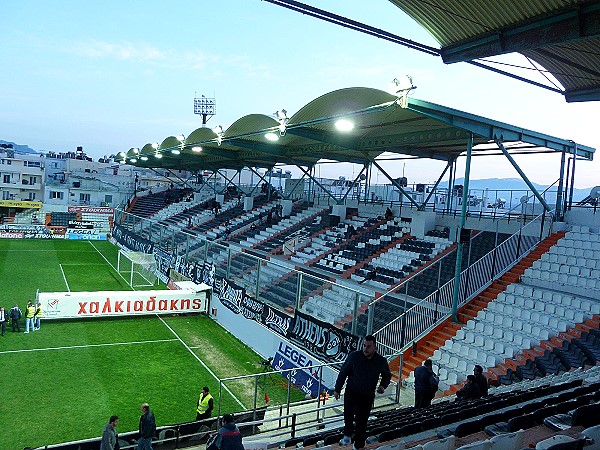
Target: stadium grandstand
{"points": [[430, 271], [301, 273]]}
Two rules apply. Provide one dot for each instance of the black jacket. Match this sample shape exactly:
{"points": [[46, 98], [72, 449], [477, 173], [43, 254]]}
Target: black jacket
{"points": [[147, 425], [469, 390], [363, 373]]}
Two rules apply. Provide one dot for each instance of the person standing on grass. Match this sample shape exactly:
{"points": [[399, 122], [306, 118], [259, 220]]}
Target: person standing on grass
{"points": [[3, 319], [362, 368], [147, 428], [109, 434], [15, 315], [205, 405], [37, 316], [29, 313]]}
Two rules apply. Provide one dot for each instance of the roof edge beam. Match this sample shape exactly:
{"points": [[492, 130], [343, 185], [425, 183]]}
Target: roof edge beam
{"points": [[582, 95], [326, 138], [494, 130], [573, 24]]}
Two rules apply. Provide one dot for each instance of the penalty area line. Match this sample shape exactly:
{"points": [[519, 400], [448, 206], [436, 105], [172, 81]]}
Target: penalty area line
{"points": [[113, 267], [64, 277], [201, 362], [111, 344]]}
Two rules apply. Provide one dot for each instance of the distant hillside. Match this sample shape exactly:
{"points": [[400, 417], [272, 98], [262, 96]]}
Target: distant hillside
{"points": [[19, 148], [514, 184]]}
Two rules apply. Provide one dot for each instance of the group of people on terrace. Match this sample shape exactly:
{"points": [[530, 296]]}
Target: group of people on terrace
{"points": [[228, 437], [427, 384], [33, 316]]}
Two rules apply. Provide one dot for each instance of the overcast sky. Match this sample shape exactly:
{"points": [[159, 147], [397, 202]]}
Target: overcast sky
{"points": [[113, 75]]}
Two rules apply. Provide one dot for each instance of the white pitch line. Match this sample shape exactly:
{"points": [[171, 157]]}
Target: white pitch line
{"points": [[86, 346], [83, 264], [108, 262], [201, 362], [64, 277], [177, 336]]}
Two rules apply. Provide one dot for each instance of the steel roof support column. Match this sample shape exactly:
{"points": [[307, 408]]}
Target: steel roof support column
{"points": [[286, 197], [572, 177], [229, 181], [525, 179], [353, 185], [368, 183], [463, 219], [451, 176], [395, 183], [314, 180], [185, 182], [259, 176], [559, 194], [269, 186], [210, 186], [422, 207]]}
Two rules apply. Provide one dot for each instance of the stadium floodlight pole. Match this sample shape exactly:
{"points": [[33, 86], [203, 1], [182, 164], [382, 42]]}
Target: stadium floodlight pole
{"points": [[463, 220], [205, 107]]}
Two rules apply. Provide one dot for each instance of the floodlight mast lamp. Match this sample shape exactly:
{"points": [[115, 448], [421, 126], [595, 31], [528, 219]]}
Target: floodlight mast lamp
{"points": [[403, 87], [205, 107], [283, 119]]}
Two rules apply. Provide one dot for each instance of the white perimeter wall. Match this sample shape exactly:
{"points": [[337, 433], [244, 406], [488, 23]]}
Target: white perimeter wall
{"points": [[264, 341]]}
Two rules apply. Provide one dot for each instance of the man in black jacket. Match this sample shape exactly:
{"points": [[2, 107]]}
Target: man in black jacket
{"points": [[147, 428], [15, 316], [481, 380], [362, 368]]}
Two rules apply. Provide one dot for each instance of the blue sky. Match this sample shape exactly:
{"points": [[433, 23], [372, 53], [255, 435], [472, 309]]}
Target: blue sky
{"points": [[113, 75]]}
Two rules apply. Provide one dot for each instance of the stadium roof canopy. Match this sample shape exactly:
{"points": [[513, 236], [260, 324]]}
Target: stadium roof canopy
{"points": [[375, 122], [561, 36]]}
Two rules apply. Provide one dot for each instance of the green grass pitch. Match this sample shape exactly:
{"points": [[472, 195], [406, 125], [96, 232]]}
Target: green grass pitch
{"points": [[63, 382]]}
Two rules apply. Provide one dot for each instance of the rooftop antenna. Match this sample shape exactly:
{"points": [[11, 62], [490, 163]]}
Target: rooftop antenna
{"points": [[205, 107]]}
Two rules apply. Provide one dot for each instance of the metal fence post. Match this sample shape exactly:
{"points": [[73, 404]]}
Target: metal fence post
{"points": [[299, 290], [228, 262], [355, 313], [258, 279]]}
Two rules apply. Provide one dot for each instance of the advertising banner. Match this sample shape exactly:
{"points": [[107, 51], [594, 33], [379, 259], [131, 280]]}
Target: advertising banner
{"points": [[184, 268], [275, 320], [91, 210], [322, 339], [132, 241], [301, 375], [63, 305], [20, 204], [86, 236], [11, 235], [163, 261]]}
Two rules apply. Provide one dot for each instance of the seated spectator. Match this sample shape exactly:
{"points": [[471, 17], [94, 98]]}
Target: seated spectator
{"points": [[350, 231], [388, 214], [469, 390], [228, 437], [481, 380], [370, 275]]}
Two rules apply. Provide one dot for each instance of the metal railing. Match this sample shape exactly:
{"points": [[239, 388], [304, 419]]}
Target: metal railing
{"points": [[399, 334]]}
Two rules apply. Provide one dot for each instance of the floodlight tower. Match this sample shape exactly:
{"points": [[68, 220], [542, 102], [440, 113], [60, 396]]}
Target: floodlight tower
{"points": [[205, 107]]}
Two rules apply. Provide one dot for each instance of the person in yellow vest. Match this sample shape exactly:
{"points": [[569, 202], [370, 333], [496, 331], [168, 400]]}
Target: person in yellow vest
{"points": [[37, 316], [205, 405], [29, 313]]}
